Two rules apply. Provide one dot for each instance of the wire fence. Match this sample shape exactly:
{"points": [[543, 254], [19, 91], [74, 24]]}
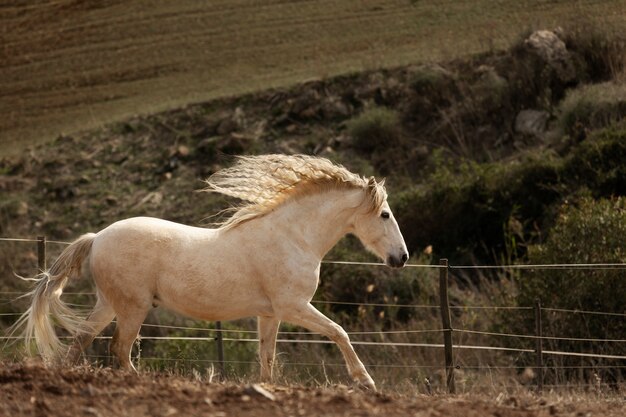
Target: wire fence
{"points": [[446, 330]]}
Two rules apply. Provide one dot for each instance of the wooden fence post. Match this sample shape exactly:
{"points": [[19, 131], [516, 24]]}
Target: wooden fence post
{"points": [[220, 349], [41, 253], [538, 345], [447, 326]]}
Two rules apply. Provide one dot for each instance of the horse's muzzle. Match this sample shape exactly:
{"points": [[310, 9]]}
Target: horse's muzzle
{"points": [[397, 261]]}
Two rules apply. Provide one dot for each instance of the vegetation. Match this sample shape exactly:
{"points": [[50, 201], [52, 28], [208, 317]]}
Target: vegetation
{"points": [[592, 107], [587, 231]]}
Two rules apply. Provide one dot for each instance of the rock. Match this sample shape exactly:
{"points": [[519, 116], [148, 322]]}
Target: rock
{"points": [[547, 45], [306, 106], [258, 391], [153, 198], [334, 108], [239, 117], [226, 126], [232, 123], [183, 151], [232, 145], [532, 122]]}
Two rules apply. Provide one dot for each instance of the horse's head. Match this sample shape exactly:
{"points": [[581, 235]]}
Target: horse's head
{"points": [[378, 230]]}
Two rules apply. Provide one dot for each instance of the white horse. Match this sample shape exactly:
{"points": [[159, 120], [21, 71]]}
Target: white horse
{"points": [[263, 261]]}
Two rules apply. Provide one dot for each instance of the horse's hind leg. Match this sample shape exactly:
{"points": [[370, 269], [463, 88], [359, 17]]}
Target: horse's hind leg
{"points": [[268, 329], [98, 319], [126, 331]]}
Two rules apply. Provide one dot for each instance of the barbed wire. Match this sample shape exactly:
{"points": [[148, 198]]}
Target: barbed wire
{"points": [[429, 266], [545, 266], [379, 332], [30, 240], [17, 239], [370, 365], [564, 310], [526, 336]]}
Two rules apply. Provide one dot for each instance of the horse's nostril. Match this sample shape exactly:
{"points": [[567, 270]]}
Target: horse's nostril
{"points": [[405, 257]]}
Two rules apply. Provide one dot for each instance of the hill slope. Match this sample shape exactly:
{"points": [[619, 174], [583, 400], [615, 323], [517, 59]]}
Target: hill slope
{"points": [[67, 66]]}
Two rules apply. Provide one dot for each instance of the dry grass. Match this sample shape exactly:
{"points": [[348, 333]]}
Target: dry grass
{"points": [[67, 66]]}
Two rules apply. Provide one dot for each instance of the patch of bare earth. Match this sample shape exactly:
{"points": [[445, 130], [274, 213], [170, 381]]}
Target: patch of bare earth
{"points": [[34, 390]]}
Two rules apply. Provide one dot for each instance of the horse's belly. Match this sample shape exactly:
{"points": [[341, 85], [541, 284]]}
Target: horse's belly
{"points": [[214, 300]]}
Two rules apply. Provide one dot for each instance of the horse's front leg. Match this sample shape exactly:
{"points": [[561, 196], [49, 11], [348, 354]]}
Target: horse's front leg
{"points": [[307, 316], [268, 329]]}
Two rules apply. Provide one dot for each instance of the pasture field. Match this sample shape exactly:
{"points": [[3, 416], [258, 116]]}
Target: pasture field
{"points": [[68, 66]]}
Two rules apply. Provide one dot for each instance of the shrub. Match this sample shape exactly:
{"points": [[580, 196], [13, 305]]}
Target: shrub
{"points": [[593, 107], [599, 54], [589, 231], [374, 129], [598, 164]]}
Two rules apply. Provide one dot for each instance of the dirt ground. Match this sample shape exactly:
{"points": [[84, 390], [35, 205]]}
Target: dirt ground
{"points": [[34, 390]]}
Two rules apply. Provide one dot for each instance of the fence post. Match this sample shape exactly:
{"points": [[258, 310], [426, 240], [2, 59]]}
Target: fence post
{"points": [[538, 345], [447, 326], [41, 253], [220, 349]]}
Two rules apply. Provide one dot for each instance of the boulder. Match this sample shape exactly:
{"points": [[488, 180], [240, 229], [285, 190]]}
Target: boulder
{"points": [[548, 46], [532, 122]]}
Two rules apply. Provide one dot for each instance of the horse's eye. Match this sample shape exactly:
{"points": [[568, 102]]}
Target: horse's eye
{"points": [[384, 214]]}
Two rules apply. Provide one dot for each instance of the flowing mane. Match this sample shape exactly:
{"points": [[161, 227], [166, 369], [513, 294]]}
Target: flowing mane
{"points": [[264, 182]]}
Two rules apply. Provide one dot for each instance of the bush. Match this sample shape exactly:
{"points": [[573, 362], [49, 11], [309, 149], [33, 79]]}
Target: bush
{"points": [[589, 231], [599, 54], [374, 129], [593, 107], [463, 211], [597, 164]]}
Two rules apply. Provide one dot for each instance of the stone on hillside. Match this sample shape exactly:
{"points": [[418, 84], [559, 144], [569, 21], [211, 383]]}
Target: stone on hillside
{"points": [[549, 47], [532, 122], [306, 106], [232, 123], [335, 108]]}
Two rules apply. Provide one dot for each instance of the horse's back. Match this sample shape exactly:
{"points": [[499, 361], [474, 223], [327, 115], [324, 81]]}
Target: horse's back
{"points": [[151, 226], [141, 247], [195, 271]]}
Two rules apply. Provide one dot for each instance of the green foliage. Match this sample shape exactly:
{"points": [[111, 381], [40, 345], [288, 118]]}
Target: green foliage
{"points": [[375, 128], [464, 210], [593, 107], [469, 211], [597, 164], [587, 231]]}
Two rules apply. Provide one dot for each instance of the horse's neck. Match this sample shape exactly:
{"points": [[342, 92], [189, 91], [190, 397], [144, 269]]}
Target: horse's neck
{"points": [[316, 222]]}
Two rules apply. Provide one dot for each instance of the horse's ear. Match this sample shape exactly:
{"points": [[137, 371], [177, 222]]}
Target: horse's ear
{"points": [[372, 183]]}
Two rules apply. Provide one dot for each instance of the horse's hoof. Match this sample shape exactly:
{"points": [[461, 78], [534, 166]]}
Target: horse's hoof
{"points": [[366, 384]]}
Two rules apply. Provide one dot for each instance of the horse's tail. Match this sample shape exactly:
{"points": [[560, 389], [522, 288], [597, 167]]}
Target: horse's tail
{"points": [[46, 306]]}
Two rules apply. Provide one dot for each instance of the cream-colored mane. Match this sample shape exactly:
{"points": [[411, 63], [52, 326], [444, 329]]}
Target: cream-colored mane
{"points": [[264, 182]]}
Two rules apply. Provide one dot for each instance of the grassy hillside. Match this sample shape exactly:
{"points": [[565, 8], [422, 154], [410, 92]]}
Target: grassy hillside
{"points": [[69, 66]]}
